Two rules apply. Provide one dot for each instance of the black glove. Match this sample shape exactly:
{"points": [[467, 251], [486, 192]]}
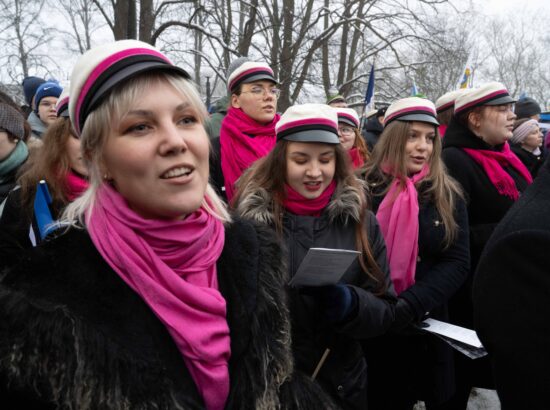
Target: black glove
{"points": [[336, 302], [404, 315]]}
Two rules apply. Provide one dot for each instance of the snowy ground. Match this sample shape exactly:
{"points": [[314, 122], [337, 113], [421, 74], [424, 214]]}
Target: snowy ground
{"points": [[480, 399]]}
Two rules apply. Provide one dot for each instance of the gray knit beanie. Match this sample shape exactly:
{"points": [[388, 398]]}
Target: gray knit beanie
{"points": [[12, 121]]}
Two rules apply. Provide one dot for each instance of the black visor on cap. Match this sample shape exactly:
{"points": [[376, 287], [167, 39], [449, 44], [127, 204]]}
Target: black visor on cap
{"points": [[501, 101], [254, 77], [322, 136], [116, 74], [419, 117], [347, 121]]}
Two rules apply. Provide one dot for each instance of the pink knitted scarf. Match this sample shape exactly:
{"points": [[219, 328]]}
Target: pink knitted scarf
{"points": [[493, 162], [242, 142], [398, 219], [171, 265]]}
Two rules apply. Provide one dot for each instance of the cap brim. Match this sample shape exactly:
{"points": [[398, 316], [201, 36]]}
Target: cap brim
{"points": [[131, 71], [501, 101], [322, 136], [258, 77], [419, 117], [348, 122]]}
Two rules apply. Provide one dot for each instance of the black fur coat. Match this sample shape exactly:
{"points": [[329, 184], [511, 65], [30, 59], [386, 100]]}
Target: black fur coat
{"points": [[72, 333]]}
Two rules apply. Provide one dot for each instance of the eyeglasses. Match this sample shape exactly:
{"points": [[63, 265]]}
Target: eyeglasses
{"points": [[345, 130], [260, 91]]}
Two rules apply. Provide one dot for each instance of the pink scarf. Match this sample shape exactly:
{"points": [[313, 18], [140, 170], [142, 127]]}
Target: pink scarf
{"points": [[171, 265], [442, 130], [398, 218], [75, 185], [242, 142], [356, 158], [300, 205], [492, 163]]}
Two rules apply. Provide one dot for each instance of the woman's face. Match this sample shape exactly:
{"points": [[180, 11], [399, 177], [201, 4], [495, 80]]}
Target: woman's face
{"points": [[157, 155], [257, 101], [419, 146], [495, 124], [46, 110], [533, 139], [310, 167], [346, 135], [6, 145], [75, 156]]}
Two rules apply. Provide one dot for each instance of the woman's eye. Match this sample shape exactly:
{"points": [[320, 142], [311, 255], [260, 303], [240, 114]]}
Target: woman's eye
{"points": [[188, 120], [137, 128]]}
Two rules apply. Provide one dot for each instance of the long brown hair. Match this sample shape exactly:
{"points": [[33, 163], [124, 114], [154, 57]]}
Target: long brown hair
{"points": [[51, 163], [361, 145], [269, 173], [437, 186]]}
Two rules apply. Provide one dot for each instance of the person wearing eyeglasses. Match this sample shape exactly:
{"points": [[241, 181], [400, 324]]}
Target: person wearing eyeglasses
{"points": [[350, 137], [248, 130], [44, 111]]}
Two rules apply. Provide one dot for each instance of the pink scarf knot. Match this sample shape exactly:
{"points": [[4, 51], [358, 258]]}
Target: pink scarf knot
{"points": [[356, 158], [171, 265], [242, 142], [492, 163], [398, 219], [75, 185], [300, 205]]}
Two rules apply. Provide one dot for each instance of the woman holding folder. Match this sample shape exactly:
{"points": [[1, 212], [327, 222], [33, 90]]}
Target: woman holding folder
{"points": [[304, 191], [423, 218]]}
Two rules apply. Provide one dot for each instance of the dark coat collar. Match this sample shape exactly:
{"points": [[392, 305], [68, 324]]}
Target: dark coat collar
{"points": [[460, 136]]}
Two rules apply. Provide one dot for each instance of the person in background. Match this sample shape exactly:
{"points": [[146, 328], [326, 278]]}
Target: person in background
{"points": [[60, 164], [526, 142], [445, 106], [304, 190], [214, 123], [350, 137], [45, 100], [152, 297], [13, 149], [477, 154], [374, 127], [337, 101], [30, 85], [248, 130], [527, 108], [511, 295], [423, 218]]}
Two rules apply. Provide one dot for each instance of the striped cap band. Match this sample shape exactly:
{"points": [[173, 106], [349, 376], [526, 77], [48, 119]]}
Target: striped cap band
{"points": [[411, 109], [248, 72], [348, 116], [309, 123], [489, 94]]}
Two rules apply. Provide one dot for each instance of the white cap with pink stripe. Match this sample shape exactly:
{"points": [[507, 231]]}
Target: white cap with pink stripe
{"points": [[348, 116], [249, 72], [309, 123], [447, 100], [411, 109], [102, 68], [488, 94]]}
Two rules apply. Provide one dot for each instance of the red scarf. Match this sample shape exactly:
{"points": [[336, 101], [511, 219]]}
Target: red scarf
{"points": [[398, 219], [493, 163], [75, 185], [300, 205], [442, 130], [356, 158], [171, 265], [243, 141]]}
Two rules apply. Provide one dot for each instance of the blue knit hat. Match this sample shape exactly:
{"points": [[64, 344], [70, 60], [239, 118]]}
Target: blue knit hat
{"points": [[30, 85], [48, 89]]}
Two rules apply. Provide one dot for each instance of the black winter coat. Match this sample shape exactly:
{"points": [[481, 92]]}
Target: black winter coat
{"points": [[372, 131], [73, 332], [216, 174], [486, 207], [531, 161], [344, 373], [395, 357], [512, 300]]}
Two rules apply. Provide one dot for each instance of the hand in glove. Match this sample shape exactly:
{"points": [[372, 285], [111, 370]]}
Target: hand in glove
{"points": [[404, 315], [336, 302]]}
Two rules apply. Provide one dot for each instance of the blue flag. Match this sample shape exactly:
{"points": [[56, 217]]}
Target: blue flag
{"points": [[42, 213], [369, 94]]}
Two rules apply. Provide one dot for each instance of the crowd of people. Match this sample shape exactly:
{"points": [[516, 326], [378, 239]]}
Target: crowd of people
{"points": [[146, 248]]}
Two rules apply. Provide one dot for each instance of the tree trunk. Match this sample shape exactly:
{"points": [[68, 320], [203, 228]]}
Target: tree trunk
{"points": [[146, 20]]}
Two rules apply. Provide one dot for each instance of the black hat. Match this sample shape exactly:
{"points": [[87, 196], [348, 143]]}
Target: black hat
{"points": [[527, 107]]}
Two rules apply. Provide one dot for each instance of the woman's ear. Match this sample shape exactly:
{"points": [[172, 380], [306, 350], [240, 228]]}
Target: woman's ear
{"points": [[235, 103]]}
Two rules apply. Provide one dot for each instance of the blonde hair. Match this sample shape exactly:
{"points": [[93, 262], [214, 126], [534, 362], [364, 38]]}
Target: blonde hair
{"points": [[438, 186], [99, 124]]}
